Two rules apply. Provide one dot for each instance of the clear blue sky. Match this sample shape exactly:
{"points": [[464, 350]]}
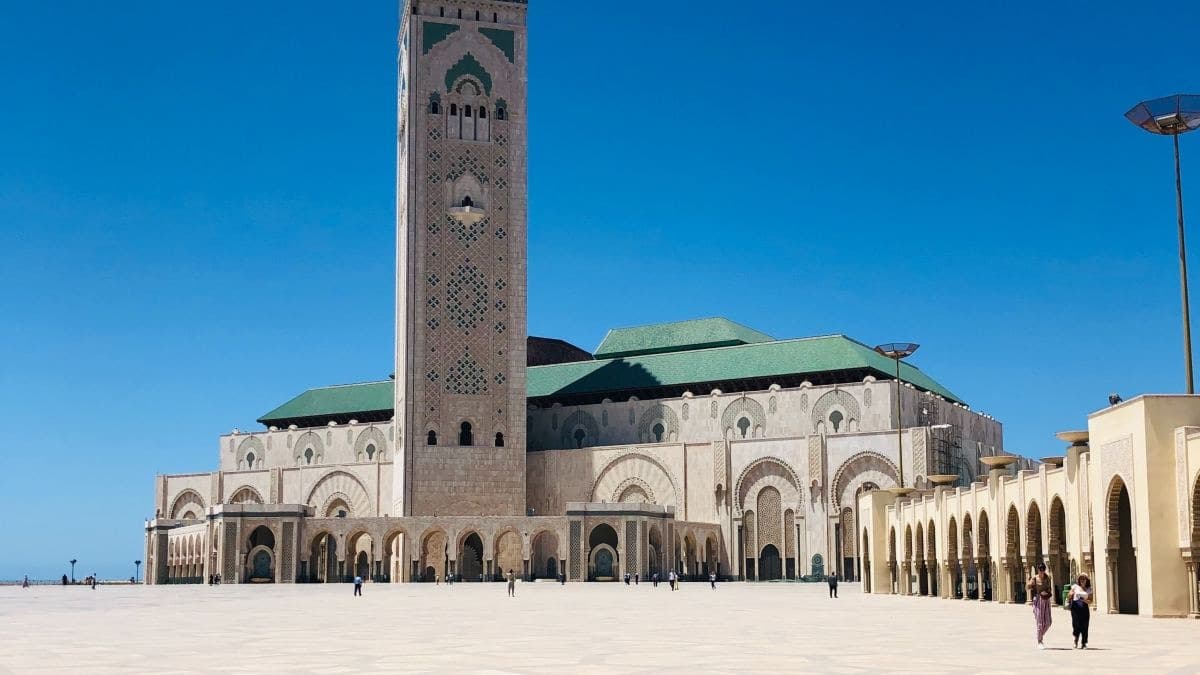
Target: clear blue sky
{"points": [[196, 211]]}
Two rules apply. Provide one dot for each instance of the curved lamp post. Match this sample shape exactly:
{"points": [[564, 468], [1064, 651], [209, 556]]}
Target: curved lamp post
{"points": [[898, 351], [137, 571], [73, 561], [1173, 116]]}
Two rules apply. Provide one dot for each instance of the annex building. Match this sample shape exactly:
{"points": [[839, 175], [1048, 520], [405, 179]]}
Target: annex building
{"points": [[696, 446]]}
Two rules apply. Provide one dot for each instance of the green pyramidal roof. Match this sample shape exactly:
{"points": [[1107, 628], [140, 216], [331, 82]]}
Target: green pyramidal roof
{"points": [[677, 336], [832, 358], [345, 399]]}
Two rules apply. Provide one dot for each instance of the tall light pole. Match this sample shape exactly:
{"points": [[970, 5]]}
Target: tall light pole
{"points": [[137, 571], [898, 351], [73, 561], [1173, 116]]}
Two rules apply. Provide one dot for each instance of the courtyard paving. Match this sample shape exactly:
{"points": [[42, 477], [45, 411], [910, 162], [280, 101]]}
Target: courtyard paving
{"points": [[579, 628]]}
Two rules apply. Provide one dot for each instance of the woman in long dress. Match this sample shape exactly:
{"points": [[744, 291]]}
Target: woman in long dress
{"points": [[1041, 589]]}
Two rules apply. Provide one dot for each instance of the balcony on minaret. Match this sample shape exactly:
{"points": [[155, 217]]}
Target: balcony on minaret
{"points": [[467, 212]]}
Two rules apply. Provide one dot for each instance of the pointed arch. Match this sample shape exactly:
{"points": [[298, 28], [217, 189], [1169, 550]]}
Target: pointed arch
{"points": [[251, 444], [188, 501], [368, 437], [340, 484], [859, 469], [635, 464], [246, 495], [580, 420], [766, 471], [743, 407], [838, 400], [306, 441], [659, 424], [1033, 532]]}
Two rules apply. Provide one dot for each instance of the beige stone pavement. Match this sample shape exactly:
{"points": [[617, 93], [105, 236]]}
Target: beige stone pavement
{"points": [[579, 628]]}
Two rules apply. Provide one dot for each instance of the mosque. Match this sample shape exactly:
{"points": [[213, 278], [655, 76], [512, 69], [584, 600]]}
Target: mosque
{"points": [[701, 446]]}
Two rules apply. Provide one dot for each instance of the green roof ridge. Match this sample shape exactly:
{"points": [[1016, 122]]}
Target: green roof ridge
{"points": [[760, 360], [671, 336]]}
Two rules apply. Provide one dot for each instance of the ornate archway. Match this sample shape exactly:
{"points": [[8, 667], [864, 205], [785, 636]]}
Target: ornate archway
{"points": [[635, 467], [1121, 550]]}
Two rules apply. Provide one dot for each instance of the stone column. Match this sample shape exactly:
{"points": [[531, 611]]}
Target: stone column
{"points": [[1193, 600], [1111, 569], [1026, 570]]}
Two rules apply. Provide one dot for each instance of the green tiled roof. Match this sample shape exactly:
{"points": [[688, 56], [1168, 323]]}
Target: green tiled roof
{"points": [[339, 400], [758, 360], [647, 371], [678, 336]]}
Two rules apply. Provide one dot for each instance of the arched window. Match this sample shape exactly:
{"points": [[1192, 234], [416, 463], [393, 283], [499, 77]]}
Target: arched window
{"points": [[495, 17], [659, 430], [435, 107], [743, 425], [579, 436], [501, 114], [466, 110], [371, 451], [460, 13], [482, 113], [835, 418], [453, 108], [467, 201], [499, 440], [308, 456], [250, 460], [464, 434], [431, 439], [476, 15]]}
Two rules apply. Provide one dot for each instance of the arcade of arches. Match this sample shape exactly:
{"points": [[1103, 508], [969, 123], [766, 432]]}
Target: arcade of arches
{"points": [[1122, 505]]}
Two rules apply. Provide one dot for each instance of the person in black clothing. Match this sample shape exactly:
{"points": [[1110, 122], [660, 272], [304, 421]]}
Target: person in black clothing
{"points": [[833, 581]]}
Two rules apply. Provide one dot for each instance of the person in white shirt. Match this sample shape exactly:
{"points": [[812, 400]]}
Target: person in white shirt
{"points": [[1080, 599]]}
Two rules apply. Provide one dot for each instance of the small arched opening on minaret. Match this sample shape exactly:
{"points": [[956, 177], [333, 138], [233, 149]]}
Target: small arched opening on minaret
{"points": [[465, 437]]}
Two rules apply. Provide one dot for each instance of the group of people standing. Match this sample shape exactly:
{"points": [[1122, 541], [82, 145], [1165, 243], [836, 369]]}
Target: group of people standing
{"points": [[1078, 601]]}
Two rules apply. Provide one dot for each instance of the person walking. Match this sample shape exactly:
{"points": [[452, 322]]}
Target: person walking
{"points": [[636, 578], [833, 583], [1080, 603], [93, 581], [25, 584], [1041, 589], [712, 580], [358, 585], [627, 578], [512, 584], [674, 579], [654, 579]]}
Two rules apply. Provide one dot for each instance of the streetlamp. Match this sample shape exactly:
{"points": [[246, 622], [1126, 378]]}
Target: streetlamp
{"points": [[1173, 116], [137, 571], [73, 561], [898, 351]]}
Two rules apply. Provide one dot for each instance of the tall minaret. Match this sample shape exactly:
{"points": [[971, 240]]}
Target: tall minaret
{"points": [[460, 259]]}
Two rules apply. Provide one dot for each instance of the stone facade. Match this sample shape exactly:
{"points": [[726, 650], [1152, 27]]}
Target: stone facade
{"points": [[470, 478], [460, 233]]}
